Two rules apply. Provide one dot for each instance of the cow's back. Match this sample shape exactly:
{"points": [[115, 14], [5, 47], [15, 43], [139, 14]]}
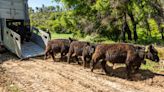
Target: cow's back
{"points": [[118, 53], [76, 47]]}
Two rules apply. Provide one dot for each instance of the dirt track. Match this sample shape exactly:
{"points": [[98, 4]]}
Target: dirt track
{"points": [[37, 75]]}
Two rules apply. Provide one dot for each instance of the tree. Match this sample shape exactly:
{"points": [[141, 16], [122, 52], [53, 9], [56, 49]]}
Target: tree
{"points": [[106, 18]]}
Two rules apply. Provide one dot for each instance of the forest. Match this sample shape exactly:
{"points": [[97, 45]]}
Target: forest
{"points": [[134, 21]]}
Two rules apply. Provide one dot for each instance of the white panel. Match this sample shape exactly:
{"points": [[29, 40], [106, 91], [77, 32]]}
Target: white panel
{"points": [[5, 13], [12, 9], [5, 4], [19, 4], [18, 14]]}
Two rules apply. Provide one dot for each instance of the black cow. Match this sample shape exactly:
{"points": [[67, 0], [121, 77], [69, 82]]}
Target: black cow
{"points": [[122, 53], [58, 46], [76, 49], [87, 54]]}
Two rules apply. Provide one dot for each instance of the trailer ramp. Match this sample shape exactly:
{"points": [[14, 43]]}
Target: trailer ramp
{"points": [[35, 47], [31, 49]]}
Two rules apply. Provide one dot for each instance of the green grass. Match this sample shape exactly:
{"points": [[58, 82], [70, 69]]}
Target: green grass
{"points": [[56, 35], [13, 88], [153, 66], [161, 52], [92, 39]]}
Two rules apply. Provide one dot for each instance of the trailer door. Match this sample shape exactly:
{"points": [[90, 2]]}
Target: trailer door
{"points": [[0, 30]]}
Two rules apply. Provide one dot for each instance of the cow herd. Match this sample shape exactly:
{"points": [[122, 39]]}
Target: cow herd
{"points": [[130, 55]]}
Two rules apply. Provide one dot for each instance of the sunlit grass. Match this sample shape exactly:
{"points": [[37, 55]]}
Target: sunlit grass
{"points": [[92, 39], [13, 88], [161, 52], [153, 66], [64, 36]]}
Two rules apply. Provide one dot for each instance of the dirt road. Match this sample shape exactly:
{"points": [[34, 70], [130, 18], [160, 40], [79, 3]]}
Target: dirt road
{"points": [[37, 75]]}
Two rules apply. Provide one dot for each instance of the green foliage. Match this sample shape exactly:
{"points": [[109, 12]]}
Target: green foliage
{"points": [[153, 27], [57, 35], [102, 17]]}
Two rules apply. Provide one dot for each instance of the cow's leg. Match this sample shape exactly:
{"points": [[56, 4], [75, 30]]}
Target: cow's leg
{"points": [[53, 57], [128, 69], [63, 53], [45, 56], [84, 61], [93, 64], [62, 56], [113, 67], [77, 60], [68, 57], [128, 66], [136, 68], [103, 63], [47, 53]]}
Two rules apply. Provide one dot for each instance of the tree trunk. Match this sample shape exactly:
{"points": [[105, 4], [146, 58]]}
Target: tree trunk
{"points": [[123, 34], [135, 32], [127, 29], [134, 25], [148, 27], [162, 34], [123, 31]]}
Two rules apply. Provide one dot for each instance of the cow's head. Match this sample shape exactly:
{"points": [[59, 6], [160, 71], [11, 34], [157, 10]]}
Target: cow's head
{"points": [[90, 49], [152, 54]]}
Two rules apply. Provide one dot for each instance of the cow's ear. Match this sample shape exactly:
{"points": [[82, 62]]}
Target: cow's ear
{"points": [[150, 46], [93, 47], [144, 62], [70, 39], [88, 43]]}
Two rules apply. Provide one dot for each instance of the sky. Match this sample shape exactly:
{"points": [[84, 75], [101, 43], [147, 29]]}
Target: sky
{"points": [[38, 3]]}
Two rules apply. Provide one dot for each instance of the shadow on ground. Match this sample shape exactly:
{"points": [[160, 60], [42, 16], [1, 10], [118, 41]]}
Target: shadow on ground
{"points": [[120, 72], [6, 56]]}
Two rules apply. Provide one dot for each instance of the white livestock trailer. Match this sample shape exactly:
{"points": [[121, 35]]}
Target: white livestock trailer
{"points": [[15, 26]]}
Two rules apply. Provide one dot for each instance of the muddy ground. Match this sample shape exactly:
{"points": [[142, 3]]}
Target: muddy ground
{"points": [[37, 75]]}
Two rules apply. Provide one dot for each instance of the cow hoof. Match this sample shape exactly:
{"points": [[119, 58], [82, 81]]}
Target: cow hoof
{"points": [[78, 63], [129, 78], [111, 74]]}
